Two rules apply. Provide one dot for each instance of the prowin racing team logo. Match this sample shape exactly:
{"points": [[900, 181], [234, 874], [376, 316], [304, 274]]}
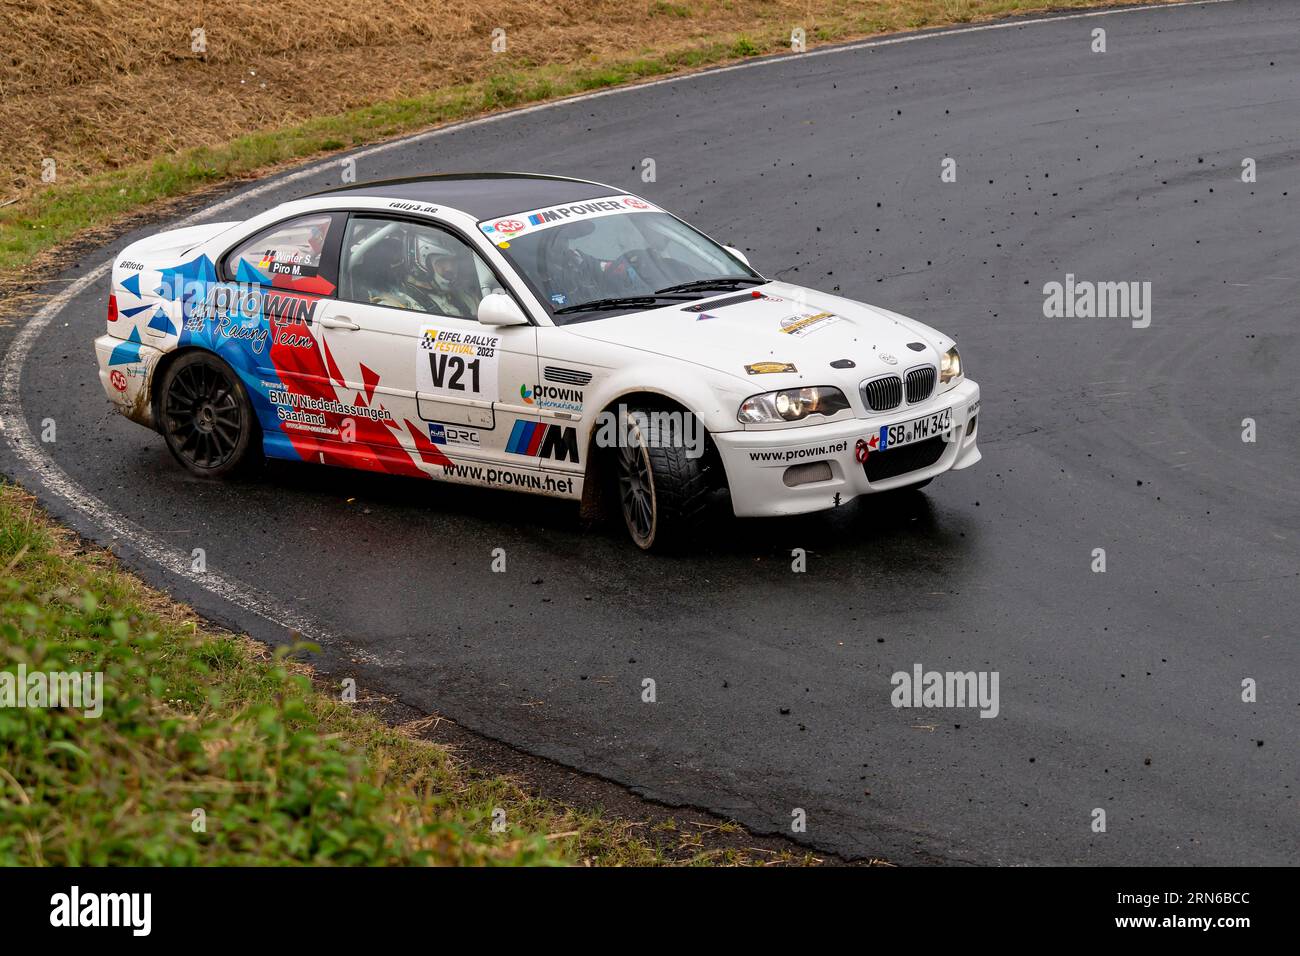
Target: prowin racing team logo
{"points": [[246, 301]]}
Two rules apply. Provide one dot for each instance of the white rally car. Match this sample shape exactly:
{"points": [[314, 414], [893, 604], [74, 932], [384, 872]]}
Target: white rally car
{"points": [[528, 332]]}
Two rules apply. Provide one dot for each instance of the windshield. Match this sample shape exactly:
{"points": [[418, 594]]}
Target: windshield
{"points": [[612, 249]]}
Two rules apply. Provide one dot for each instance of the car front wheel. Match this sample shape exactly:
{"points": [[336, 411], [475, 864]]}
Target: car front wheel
{"points": [[663, 491]]}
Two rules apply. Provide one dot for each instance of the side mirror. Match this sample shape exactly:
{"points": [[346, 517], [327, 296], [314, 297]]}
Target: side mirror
{"points": [[738, 254], [499, 309]]}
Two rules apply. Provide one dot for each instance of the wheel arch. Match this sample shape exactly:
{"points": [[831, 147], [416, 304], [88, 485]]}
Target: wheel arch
{"points": [[596, 503], [156, 375], [169, 359]]}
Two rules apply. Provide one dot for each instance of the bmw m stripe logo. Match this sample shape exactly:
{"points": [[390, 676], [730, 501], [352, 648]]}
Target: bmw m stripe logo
{"points": [[525, 438], [537, 440]]}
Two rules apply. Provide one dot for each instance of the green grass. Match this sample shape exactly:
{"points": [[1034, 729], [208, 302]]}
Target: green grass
{"points": [[194, 723], [283, 772]]}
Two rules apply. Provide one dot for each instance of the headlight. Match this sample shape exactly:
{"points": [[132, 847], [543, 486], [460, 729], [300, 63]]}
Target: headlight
{"points": [[791, 405], [950, 367]]}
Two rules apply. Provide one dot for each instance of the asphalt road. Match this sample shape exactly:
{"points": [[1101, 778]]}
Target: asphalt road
{"points": [[1119, 690]]}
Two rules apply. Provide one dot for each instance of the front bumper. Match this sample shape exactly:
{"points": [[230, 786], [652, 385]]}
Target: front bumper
{"points": [[758, 463]]}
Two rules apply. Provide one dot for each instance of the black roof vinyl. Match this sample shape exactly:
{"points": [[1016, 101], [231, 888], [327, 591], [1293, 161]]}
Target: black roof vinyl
{"points": [[482, 195]]}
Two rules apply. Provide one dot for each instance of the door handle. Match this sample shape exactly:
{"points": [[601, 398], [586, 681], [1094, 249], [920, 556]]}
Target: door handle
{"points": [[342, 322]]}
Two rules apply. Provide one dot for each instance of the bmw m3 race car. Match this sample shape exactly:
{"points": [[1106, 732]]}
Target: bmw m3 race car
{"points": [[528, 332]]}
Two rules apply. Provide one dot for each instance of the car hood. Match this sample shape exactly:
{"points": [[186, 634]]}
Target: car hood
{"points": [[777, 336]]}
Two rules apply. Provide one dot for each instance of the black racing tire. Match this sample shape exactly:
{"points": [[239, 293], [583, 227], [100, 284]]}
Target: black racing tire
{"points": [[663, 493], [205, 416]]}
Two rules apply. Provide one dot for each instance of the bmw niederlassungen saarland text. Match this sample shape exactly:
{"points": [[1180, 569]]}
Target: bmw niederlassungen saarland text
{"points": [[486, 328]]}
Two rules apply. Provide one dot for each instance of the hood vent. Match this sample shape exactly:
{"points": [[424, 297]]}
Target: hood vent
{"points": [[722, 303], [565, 376]]}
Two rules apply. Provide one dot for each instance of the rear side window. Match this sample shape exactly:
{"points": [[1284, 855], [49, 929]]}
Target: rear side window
{"points": [[299, 254]]}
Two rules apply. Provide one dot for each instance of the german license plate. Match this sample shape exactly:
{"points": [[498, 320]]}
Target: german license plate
{"points": [[918, 429]]}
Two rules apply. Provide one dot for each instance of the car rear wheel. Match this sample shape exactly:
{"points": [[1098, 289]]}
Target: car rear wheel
{"points": [[663, 492], [206, 417]]}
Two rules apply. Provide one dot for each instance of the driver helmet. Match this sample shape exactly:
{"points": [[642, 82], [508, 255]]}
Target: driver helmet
{"points": [[444, 269]]}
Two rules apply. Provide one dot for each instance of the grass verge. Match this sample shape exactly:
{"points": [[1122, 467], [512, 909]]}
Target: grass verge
{"points": [[209, 751]]}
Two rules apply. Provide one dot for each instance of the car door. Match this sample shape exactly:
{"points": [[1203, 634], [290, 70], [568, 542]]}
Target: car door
{"points": [[407, 345]]}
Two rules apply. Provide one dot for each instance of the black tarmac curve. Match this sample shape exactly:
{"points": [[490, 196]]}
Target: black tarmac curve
{"points": [[1120, 691]]}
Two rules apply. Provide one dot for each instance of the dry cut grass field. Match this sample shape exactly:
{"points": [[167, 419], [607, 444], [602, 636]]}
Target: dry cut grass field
{"points": [[100, 84]]}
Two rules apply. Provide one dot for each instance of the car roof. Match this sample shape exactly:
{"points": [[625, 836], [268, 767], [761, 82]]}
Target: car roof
{"points": [[481, 195]]}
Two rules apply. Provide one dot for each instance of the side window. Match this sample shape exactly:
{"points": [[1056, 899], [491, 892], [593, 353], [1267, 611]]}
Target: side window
{"points": [[413, 266], [297, 254]]}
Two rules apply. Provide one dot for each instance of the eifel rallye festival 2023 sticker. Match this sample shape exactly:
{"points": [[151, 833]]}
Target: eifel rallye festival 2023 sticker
{"points": [[456, 363]]}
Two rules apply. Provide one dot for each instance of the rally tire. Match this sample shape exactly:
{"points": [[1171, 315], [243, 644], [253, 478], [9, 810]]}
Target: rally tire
{"points": [[663, 494], [205, 416]]}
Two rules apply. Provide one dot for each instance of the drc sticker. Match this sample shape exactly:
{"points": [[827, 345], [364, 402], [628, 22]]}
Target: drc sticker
{"points": [[443, 434], [457, 363], [769, 368]]}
